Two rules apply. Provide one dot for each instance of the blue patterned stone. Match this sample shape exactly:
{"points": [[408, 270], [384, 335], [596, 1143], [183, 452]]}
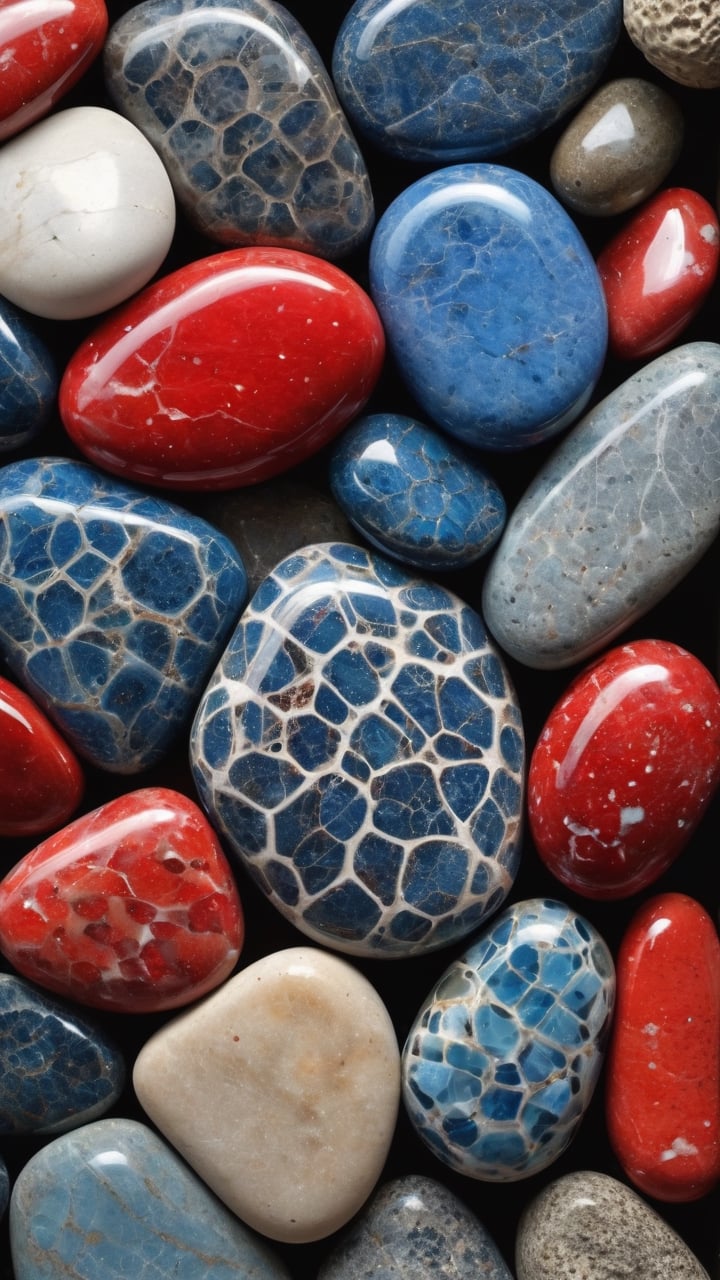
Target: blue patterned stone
{"points": [[57, 1070], [239, 106], [28, 380], [114, 607], [112, 1201], [361, 748], [448, 80], [491, 303], [502, 1060], [415, 494]]}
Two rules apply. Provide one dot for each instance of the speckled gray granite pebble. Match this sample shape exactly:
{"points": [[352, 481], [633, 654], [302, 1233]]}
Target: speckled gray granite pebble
{"points": [[615, 518], [589, 1226]]}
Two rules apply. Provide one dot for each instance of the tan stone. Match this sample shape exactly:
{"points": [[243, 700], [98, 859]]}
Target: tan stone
{"points": [[679, 37]]}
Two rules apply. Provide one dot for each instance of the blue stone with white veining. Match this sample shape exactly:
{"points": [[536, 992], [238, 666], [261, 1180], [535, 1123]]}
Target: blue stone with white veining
{"points": [[28, 380], [501, 1062], [114, 607], [360, 747], [57, 1070], [445, 80], [491, 303], [415, 494], [112, 1201]]}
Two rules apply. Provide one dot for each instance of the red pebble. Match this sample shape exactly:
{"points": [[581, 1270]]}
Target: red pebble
{"points": [[624, 768], [658, 270], [41, 781], [132, 907], [230, 370], [663, 1071], [45, 47]]}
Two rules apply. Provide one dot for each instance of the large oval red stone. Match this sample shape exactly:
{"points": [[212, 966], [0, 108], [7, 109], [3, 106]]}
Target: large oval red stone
{"points": [[132, 907], [663, 1071], [624, 768], [41, 780], [230, 370]]}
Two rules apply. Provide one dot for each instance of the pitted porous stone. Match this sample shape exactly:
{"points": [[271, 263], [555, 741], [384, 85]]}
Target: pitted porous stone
{"points": [[589, 1226], [679, 37]]}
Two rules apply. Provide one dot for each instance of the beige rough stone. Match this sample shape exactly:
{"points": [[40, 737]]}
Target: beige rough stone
{"points": [[679, 37]]}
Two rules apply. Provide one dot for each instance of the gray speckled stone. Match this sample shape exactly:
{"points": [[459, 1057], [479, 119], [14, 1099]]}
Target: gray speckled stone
{"points": [[589, 1226], [615, 518]]}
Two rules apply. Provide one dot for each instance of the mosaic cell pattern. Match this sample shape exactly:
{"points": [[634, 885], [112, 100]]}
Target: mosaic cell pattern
{"points": [[28, 380], [502, 1061], [361, 748], [114, 607]]}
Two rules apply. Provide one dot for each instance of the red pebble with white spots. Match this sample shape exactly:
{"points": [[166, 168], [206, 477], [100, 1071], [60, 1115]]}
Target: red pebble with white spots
{"points": [[132, 907], [624, 768]]}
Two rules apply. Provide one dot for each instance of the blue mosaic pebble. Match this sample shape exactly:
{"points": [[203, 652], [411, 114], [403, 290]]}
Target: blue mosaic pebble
{"points": [[114, 607], [239, 106], [502, 1060], [361, 748], [446, 80], [57, 1070], [415, 494], [491, 303], [28, 380], [112, 1201]]}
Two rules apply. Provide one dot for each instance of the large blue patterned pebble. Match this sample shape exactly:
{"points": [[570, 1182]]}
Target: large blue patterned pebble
{"points": [[492, 304], [114, 607], [464, 79], [57, 1070], [361, 749], [415, 494], [28, 380], [112, 1201], [502, 1060], [242, 111]]}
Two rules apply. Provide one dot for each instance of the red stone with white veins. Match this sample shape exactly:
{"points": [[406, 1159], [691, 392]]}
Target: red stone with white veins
{"points": [[132, 907], [230, 370], [624, 768], [41, 780]]}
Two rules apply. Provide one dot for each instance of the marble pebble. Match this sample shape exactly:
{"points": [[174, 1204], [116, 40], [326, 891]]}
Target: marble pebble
{"points": [[281, 1090], [679, 37], [28, 380]]}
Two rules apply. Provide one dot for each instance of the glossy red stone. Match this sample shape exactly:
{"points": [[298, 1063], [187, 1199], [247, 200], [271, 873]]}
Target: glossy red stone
{"points": [[658, 270], [228, 371], [132, 907], [41, 780], [45, 47], [624, 768], [663, 1069]]}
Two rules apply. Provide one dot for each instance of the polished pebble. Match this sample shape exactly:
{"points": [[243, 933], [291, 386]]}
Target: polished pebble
{"points": [[281, 1090], [360, 748], [238, 104], [492, 304], [615, 518], [589, 1226], [57, 1069], [41, 779], [112, 1200], [501, 1062], [28, 379], [4, 1187], [116, 649], [679, 37]]}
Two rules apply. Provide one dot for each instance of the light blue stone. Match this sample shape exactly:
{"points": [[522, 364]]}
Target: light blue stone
{"points": [[415, 494], [491, 303], [28, 380], [449, 80]]}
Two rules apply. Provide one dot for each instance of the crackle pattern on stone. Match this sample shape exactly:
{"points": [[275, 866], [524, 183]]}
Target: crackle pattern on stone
{"points": [[57, 1070], [679, 37], [503, 1058], [28, 380], [458, 80], [361, 748], [239, 106], [615, 518], [114, 607]]}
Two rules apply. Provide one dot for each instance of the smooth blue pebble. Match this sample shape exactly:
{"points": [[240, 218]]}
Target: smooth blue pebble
{"points": [[28, 380]]}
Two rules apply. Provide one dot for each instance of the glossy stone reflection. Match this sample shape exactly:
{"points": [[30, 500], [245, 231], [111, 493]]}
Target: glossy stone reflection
{"points": [[28, 380]]}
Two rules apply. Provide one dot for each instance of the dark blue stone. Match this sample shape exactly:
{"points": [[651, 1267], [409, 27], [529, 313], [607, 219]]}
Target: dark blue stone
{"points": [[28, 380], [491, 303], [4, 1187]]}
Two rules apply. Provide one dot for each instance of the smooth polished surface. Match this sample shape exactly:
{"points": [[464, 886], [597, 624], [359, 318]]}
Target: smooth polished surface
{"points": [[360, 747], [501, 1062], [491, 303], [228, 371], [615, 518], [28, 380], [115, 648], [131, 907], [41, 779]]}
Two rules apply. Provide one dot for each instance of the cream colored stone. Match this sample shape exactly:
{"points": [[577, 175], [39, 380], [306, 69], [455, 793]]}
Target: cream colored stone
{"points": [[679, 37], [281, 1090]]}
